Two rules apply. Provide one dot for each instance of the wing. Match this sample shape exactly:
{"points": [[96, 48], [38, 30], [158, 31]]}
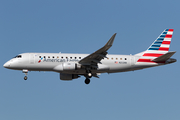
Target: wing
{"points": [[96, 57]]}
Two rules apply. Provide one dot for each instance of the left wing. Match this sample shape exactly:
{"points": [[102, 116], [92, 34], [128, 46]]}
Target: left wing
{"points": [[96, 57]]}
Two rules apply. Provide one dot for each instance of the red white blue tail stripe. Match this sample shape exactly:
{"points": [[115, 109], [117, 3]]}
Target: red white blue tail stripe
{"points": [[159, 47]]}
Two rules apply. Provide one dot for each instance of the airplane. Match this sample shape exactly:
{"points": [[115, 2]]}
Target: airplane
{"points": [[72, 66]]}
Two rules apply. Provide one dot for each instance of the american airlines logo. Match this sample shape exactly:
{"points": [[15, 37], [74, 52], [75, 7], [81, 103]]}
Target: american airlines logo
{"points": [[57, 60], [40, 60]]}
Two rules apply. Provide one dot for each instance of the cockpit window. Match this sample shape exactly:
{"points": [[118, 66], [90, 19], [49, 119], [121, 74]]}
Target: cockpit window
{"points": [[18, 56]]}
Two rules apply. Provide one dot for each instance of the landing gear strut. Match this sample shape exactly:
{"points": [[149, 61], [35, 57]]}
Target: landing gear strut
{"points": [[25, 72], [88, 75]]}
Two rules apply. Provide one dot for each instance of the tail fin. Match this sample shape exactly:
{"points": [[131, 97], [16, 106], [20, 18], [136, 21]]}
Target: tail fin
{"points": [[162, 43], [159, 47]]}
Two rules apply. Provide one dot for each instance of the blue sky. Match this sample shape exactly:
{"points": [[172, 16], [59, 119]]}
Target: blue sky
{"points": [[84, 26]]}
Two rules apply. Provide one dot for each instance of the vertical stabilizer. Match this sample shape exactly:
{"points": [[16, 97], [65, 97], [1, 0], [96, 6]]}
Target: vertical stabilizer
{"points": [[158, 48]]}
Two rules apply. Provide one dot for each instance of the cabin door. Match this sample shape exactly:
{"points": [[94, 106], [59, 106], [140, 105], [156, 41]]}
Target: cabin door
{"points": [[132, 60], [31, 58]]}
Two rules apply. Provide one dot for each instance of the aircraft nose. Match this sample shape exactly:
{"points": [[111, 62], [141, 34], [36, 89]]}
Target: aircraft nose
{"points": [[7, 64]]}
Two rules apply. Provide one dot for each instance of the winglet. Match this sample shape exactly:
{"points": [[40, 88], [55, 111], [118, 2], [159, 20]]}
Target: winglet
{"points": [[111, 40]]}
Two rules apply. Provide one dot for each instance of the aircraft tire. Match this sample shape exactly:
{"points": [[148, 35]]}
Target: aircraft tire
{"points": [[25, 77], [87, 81]]}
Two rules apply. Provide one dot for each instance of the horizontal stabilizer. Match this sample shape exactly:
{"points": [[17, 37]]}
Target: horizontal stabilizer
{"points": [[164, 57]]}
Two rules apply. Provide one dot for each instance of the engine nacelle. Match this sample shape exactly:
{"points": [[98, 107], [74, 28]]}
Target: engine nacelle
{"points": [[64, 76], [67, 66]]}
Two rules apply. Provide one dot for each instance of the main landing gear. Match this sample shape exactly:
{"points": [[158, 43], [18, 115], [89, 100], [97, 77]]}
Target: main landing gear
{"points": [[89, 75], [25, 72]]}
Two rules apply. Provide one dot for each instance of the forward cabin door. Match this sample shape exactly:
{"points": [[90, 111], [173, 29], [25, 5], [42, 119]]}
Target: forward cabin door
{"points": [[132, 60], [31, 58]]}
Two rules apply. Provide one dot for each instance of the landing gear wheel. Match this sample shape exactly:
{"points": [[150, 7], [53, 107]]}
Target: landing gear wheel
{"points": [[25, 77], [87, 81]]}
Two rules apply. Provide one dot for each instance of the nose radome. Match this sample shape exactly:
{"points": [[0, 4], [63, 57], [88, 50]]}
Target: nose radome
{"points": [[7, 64]]}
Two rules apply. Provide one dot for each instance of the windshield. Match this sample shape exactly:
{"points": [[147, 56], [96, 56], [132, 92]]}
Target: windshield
{"points": [[18, 56]]}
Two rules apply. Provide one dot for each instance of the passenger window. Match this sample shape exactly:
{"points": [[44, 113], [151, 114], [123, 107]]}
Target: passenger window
{"points": [[125, 58], [71, 57], [62, 57], [116, 58], [48, 56], [57, 56], [39, 56], [79, 57], [44, 56], [75, 57], [66, 57], [53, 57], [108, 58], [120, 58], [112, 58]]}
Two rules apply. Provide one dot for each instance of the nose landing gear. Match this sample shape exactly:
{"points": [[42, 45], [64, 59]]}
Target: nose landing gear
{"points": [[25, 72]]}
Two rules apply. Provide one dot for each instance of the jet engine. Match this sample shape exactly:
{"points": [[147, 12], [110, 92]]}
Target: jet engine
{"points": [[69, 66], [64, 76]]}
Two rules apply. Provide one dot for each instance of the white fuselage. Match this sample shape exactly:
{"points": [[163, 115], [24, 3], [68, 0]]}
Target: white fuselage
{"points": [[50, 61]]}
